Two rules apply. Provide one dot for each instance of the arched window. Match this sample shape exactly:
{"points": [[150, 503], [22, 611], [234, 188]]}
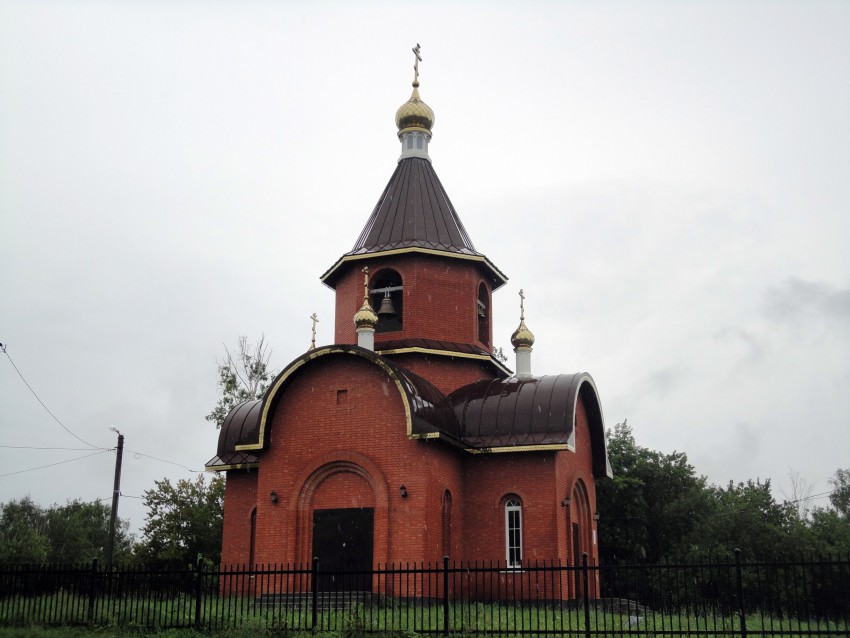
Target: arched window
{"points": [[388, 300], [513, 531], [483, 310]]}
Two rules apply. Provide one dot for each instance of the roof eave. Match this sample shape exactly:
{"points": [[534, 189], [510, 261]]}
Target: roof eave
{"points": [[330, 277]]}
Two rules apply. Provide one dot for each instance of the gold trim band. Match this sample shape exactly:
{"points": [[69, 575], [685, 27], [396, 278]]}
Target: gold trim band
{"points": [[447, 353], [424, 251], [237, 466]]}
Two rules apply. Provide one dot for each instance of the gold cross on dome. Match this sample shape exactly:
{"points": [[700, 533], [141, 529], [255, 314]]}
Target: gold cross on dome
{"points": [[313, 340], [365, 283], [521, 305], [416, 63]]}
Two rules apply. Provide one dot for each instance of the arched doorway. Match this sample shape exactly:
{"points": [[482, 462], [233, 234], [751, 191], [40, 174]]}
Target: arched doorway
{"points": [[337, 521]]}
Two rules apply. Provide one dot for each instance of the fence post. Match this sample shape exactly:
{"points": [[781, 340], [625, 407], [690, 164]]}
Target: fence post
{"points": [[314, 591], [198, 591], [740, 582], [445, 595], [92, 591], [586, 594]]}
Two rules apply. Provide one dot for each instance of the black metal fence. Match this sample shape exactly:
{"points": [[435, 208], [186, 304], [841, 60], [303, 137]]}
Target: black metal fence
{"points": [[699, 598]]}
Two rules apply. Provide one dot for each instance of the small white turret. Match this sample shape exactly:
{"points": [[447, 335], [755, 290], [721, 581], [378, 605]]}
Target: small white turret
{"points": [[365, 319], [522, 340]]}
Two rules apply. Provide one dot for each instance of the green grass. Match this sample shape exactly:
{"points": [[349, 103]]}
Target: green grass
{"points": [[235, 618]]}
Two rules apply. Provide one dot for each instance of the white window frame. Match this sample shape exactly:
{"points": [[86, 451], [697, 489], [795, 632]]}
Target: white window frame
{"points": [[513, 547]]}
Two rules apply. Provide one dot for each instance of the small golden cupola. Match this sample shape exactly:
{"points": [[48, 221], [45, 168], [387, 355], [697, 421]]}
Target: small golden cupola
{"points": [[414, 119], [365, 319], [522, 340]]}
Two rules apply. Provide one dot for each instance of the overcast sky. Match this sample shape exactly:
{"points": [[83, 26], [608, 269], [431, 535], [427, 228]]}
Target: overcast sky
{"points": [[669, 182]]}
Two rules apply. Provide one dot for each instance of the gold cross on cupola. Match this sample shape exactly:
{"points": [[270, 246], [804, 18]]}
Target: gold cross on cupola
{"points": [[416, 64], [313, 340]]}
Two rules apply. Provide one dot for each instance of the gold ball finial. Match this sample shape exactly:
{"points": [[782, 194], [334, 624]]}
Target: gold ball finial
{"points": [[365, 317], [414, 114], [522, 338]]}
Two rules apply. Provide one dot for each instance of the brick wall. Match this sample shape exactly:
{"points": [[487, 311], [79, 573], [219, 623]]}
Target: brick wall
{"points": [[338, 439], [240, 498], [342, 413], [440, 298]]}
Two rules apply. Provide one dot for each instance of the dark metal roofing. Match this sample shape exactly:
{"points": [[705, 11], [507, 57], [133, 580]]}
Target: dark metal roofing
{"points": [[430, 413], [414, 211], [497, 415], [534, 411], [446, 348], [240, 426], [514, 412], [429, 344]]}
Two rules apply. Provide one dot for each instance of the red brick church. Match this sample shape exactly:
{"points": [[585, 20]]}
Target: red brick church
{"points": [[408, 440]]}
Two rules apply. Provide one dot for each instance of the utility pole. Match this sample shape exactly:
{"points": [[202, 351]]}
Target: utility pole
{"points": [[116, 491]]}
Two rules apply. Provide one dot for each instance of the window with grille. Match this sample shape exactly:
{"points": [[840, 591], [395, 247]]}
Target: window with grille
{"points": [[513, 532]]}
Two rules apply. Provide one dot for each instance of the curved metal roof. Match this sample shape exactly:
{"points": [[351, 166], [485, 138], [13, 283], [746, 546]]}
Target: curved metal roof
{"points": [[515, 412], [501, 415], [240, 426], [530, 413], [427, 411]]}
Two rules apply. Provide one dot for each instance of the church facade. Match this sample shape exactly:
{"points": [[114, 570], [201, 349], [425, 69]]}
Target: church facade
{"points": [[407, 440]]}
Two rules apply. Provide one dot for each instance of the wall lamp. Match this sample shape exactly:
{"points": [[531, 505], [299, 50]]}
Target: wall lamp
{"points": [[565, 502], [273, 497], [403, 491]]}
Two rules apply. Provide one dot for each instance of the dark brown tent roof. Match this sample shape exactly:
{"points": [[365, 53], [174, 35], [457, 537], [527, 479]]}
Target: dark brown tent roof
{"points": [[415, 213]]}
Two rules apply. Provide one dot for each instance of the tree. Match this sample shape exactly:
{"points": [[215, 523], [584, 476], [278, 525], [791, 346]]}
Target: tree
{"points": [[746, 516], [242, 378], [76, 532], [79, 531], [183, 522], [23, 537], [840, 497], [653, 505], [800, 493]]}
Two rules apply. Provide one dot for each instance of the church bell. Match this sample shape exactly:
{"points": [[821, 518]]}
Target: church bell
{"points": [[387, 308]]}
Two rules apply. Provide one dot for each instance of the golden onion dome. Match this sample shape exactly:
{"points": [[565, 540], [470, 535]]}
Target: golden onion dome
{"points": [[522, 336], [365, 317], [414, 114]]}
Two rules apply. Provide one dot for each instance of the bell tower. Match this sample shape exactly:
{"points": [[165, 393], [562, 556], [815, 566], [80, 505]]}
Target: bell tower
{"points": [[430, 288]]}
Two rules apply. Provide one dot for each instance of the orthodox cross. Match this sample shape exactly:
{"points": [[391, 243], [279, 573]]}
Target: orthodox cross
{"points": [[365, 283], [416, 64], [521, 305], [313, 340]]}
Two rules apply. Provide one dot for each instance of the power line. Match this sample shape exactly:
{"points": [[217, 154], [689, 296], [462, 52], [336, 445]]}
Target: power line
{"points": [[41, 467], [31, 447], [188, 469], [812, 496], [3, 347]]}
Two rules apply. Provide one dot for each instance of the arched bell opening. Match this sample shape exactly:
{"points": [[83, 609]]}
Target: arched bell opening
{"points": [[387, 299], [482, 308]]}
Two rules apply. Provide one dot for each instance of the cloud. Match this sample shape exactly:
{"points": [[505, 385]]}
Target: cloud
{"points": [[755, 349], [796, 300]]}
